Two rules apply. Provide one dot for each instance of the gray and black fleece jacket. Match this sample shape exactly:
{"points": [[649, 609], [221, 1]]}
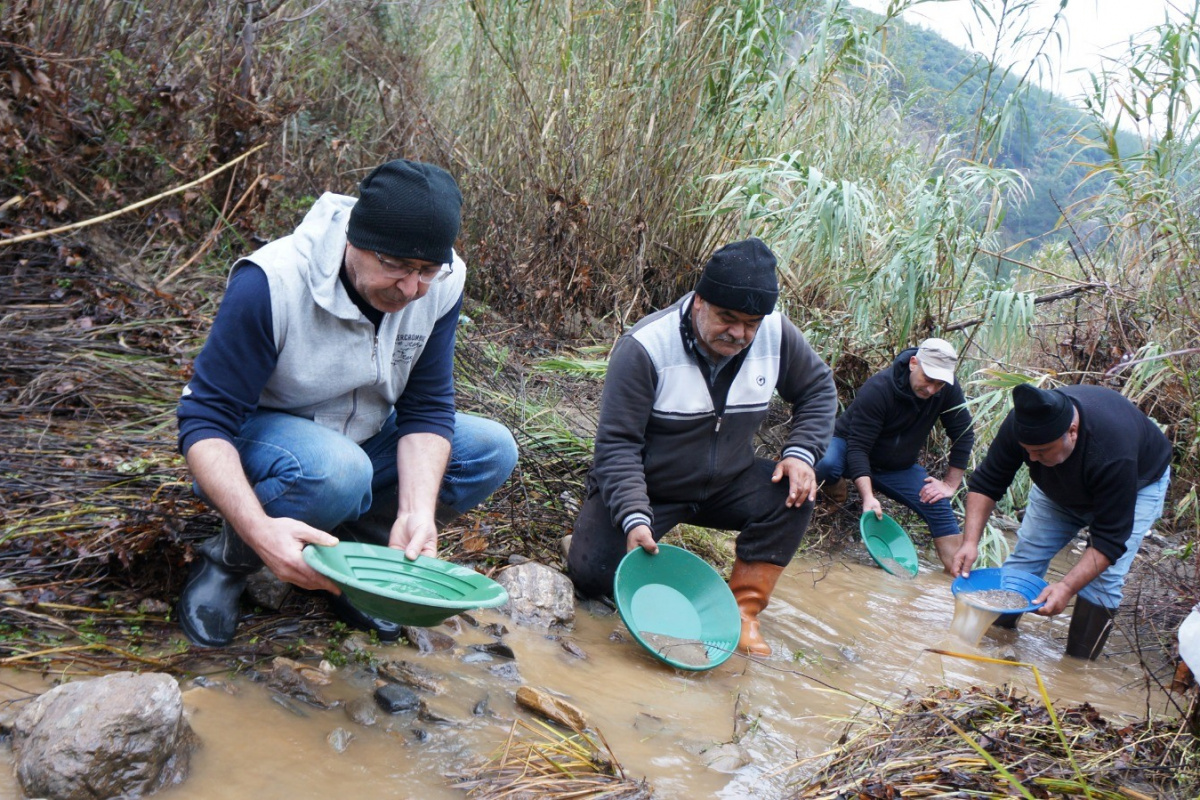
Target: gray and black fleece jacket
{"points": [[666, 434], [887, 424], [1119, 451]]}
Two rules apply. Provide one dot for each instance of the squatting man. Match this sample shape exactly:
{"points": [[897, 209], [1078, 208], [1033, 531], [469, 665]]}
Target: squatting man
{"points": [[322, 403], [687, 389]]}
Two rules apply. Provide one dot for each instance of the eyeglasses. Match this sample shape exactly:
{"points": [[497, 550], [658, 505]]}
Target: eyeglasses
{"points": [[434, 273]]}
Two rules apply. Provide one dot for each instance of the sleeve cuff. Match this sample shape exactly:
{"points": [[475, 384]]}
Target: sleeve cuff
{"points": [[800, 453], [633, 520]]}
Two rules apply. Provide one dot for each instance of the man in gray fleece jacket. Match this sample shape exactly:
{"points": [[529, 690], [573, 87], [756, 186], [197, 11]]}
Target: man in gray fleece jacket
{"points": [[687, 389]]}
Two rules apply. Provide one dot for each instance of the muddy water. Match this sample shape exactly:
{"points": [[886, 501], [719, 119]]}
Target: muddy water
{"points": [[843, 634]]}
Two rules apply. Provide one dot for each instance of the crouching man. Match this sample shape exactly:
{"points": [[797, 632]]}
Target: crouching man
{"points": [[323, 400], [686, 391]]}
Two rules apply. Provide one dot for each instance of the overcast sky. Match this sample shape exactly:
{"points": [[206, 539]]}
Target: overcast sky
{"points": [[1092, 27]]}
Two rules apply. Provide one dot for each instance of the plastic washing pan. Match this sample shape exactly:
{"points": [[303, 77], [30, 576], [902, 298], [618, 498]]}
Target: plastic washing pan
{"points": [[1012, 580], [677, 607], [381, 582], [888, 544]]}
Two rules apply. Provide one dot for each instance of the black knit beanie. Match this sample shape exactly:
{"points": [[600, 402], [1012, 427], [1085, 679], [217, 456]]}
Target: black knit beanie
{"points": [[1040, 415], [741, 277], [407, 209]]}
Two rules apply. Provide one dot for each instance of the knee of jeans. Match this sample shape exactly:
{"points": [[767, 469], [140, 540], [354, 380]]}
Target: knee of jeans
{"points": [[341, 489], [496, 451]]}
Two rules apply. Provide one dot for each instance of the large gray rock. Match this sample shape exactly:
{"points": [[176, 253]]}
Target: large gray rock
{"points": [[538, 594], [123, 735]]}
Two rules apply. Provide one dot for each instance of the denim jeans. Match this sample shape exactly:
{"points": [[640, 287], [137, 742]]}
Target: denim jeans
{"points": [[305, 471], [1048, 527], [903, 486]]}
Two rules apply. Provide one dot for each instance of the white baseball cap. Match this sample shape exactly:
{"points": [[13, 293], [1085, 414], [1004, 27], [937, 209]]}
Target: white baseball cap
{"points": [[938, 358]]}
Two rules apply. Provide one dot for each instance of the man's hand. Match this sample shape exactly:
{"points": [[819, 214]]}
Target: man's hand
{"points": [[873, 505], [935, 490], [415, 534], [1055, 596], [802, 480], [279, 541], [964, 559], [641, 536]]}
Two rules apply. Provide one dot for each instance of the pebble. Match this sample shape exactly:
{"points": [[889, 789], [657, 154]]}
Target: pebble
{"points": [[426, 640], [363, 711], [339, 739], [573, 649], [394, 698], [495, 649], [506, 672]]}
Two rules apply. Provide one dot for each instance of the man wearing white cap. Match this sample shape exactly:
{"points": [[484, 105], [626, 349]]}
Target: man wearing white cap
{"points": [[877, 440]]}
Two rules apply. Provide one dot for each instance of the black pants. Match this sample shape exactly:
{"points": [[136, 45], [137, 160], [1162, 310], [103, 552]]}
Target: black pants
{"points": [[750, 503]]}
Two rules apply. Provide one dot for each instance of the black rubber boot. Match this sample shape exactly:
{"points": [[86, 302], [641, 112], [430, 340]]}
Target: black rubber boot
{"points": [[1090, 626], [344, 610], [208, 606], [1008, 621]]}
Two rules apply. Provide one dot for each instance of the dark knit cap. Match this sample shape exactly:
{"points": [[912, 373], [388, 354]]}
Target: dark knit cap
{"points": [[1040, 415], [407, 209], [741, 277]]}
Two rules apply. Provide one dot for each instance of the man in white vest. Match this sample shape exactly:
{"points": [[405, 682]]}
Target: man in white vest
{"points": [[686, 391], [322, 403]]}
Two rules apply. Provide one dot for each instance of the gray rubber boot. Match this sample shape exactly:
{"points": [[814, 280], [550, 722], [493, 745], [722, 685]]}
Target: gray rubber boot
{"points": [[1008, 621], [1090, 626]]}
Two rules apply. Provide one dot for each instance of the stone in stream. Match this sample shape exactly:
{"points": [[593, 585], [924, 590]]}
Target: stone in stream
{"points": [[394, 698], [477, 657], [538, 595], [339, 739], [573, 649], [691, 652], [122, 735], [506, 672], [363, 711], [427, 640], [299, 681], [426, 713], [728, 757], [495, 629], [496, 649], [480, 708], [411, 675], [552, 708]]}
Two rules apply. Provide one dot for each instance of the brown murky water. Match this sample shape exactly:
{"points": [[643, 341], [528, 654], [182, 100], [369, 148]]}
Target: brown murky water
{"points": [[842, 634]]}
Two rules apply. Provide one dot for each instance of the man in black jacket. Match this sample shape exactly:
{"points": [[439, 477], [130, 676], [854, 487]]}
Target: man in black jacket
{"points": [[877, 440], [1096, 462], [686, 391]]}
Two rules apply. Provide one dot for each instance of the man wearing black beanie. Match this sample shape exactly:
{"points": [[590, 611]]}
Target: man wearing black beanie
{"points": [[1096, 462], [686, 390], [322, 404]]}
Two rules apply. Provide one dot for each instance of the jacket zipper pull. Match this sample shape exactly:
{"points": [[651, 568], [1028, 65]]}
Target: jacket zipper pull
{"points": [[718, 428]]}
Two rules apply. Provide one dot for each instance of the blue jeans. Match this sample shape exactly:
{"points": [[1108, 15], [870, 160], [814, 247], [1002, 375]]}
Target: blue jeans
{"points": [[1048, 528], [903, 486], [305, 471]]}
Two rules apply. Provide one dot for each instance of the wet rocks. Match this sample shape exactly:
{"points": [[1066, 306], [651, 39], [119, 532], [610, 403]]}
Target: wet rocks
{"points": [[495, 649], [552, 708], [411, 675], [394, 698], [573, 649], [299, 681], [427, 640], [538, 595], [115, 736], [728, 757], [267, 591]]}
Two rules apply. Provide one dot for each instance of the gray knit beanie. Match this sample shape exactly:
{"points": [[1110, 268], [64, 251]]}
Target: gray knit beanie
{"points": [[407, 209], [741, 277]]}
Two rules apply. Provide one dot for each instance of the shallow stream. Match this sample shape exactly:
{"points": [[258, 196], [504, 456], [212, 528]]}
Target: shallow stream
{"points": [[843, 634]]}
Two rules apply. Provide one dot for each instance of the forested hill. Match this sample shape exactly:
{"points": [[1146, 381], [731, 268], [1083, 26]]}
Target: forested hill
{"points": [[943, 86]]}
